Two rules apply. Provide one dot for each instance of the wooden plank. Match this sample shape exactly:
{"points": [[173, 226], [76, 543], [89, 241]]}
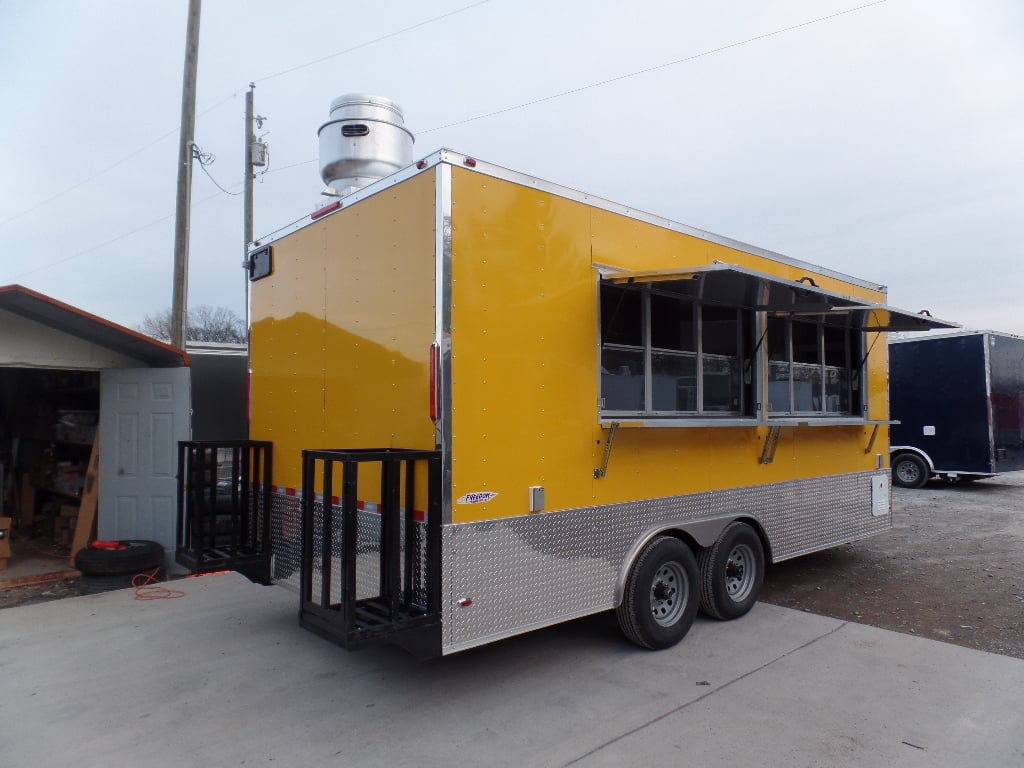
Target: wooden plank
{"points": [[5, 540], [85, 529], [27, 501]]}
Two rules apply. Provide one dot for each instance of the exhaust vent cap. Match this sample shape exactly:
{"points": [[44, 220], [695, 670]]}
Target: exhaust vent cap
{"points": [[364, 140]]}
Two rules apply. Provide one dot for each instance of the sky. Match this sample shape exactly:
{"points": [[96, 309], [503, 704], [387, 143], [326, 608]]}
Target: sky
{"points": [[883, 140]]}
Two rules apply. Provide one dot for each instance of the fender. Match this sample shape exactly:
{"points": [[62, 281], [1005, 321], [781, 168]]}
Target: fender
{"points": [[703, 533], [894, 449]]}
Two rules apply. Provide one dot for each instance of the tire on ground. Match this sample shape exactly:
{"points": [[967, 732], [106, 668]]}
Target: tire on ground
{"points": [[660, 599], [909, 470], [138, 555], [731, 573]]}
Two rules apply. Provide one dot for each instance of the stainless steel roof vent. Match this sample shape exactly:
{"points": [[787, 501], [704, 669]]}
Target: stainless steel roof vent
{"points": [[365, 140]]}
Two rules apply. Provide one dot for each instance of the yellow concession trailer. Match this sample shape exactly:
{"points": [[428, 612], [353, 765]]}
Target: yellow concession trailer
{"points": [[495, 404]]}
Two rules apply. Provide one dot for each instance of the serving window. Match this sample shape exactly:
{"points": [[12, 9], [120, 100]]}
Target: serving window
{"points": [[812, 368], [664, 353], [726, 345]]}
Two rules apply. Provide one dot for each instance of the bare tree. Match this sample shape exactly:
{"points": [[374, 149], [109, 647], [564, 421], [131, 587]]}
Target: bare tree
{"points": [[204, 323]]}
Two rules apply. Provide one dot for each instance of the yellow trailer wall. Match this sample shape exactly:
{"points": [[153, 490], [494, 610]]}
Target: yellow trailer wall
{"points": [[341, 334], [341, 331], [525, 357]]}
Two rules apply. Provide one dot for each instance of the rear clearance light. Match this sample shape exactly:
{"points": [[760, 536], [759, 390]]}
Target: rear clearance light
{"points": [[325, 210], [435, 351], [470, 162]]}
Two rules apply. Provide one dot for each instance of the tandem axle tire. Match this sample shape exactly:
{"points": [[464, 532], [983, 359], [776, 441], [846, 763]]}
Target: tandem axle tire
{"points": [[731, 573], [660, 599]]}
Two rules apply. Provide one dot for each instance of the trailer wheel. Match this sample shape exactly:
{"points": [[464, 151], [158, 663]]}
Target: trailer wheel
{"points": [[129, 556], [660, 599], [909, 471], [731, 573]]}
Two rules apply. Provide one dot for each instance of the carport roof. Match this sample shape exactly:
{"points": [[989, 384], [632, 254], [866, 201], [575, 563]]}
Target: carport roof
{"points": [[76, 322]]}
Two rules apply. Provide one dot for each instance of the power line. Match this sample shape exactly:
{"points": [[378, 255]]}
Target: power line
{"points": [[105, 243], [372, 42], [626, 76], [110, 167], [85, 181], [205, 159], [286, 167], [215, 183], [223, 101], [505, 110], [650, 69]]}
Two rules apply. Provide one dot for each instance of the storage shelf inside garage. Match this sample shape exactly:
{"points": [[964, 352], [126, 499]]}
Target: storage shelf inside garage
{"points": [[48, 422]]}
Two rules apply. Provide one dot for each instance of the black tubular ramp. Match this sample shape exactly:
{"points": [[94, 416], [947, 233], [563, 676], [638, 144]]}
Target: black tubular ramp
{"points": [[371, 561], [224, 507]]}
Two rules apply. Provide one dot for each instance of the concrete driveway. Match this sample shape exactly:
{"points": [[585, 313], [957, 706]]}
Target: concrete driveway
{"points": [[224, 677]]}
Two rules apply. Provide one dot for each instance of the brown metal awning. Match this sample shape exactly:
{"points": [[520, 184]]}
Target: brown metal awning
{"points": [[735, 286]]}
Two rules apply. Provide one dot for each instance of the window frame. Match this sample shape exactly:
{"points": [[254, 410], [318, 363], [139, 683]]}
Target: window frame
{"points": [[745, 323], [760, 295], [853, 344]]}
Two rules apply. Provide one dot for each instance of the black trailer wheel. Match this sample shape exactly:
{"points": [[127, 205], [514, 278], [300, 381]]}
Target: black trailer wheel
{"points": [[909, 470], [660, 599], [731, 573]]}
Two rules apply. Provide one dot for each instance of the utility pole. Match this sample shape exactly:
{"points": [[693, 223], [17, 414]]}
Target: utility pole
{"points": [[179, 297], [255, 155], [250, 140]]}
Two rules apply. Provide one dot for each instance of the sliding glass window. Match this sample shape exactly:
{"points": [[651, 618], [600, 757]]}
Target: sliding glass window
{"points": [[667, 354], [812, 368]]}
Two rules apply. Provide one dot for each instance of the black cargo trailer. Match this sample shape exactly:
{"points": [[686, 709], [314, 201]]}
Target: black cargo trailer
{"points": [[959, 401]]}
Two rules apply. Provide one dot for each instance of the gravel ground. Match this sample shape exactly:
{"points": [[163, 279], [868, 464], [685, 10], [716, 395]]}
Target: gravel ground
{"points": [[40, 593], [952, 569]]}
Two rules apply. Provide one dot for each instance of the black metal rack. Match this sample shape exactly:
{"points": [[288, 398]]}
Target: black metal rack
{"points": [[372, 575], [224, 507]]}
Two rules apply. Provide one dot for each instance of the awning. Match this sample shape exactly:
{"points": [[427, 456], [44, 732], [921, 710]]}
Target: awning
{"points": [[735, 286]]}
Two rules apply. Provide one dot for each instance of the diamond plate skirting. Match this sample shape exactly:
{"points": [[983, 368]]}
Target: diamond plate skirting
{"points": [[527, 572], [285, 528]]}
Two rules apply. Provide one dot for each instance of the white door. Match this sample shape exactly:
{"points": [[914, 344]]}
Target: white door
{"points": [[144, 412]]}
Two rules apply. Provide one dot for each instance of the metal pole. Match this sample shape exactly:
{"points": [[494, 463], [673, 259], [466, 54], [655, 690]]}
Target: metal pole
{"points": [[250, 139], [179, 297]]}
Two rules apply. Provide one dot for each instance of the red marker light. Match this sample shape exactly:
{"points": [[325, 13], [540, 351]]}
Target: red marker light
{"points": [[325, 210], [470, 162], [434, 352]]}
